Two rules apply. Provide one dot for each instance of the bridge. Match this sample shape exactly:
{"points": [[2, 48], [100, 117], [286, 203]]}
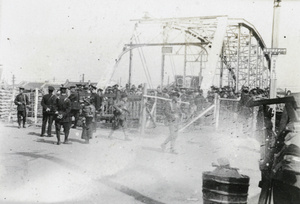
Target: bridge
{"points": [[225, 51]]}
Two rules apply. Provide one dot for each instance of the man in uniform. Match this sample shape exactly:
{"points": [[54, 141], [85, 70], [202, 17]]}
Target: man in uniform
{"points": [[21, 101], [75, 105], [173, 114], [62, 112], [96, 101], [48, 103]]}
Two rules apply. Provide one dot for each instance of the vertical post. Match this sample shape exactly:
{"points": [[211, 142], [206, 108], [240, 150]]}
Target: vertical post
{"points": [[155, 103], [238, 60], [184, 65], [273, 86], [222, 66], [130, 65], [257, 68], [143, 124], [217, 110], [163, 60], [275, 31], [162, 71], [200, 73], [36, 101], [249, 58]]}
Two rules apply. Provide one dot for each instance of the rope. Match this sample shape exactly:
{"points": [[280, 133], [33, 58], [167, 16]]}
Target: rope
{"points": [[144, 63]]}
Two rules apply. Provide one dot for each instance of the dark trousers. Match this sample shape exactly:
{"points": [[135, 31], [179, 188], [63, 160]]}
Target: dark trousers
{"points": [[75, 113], [66, 126], [47, 118], [21, 114], [285, 194]]}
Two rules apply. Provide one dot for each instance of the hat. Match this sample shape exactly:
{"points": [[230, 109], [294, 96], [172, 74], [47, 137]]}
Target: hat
{"points": [[100, 89], [176, 94], [93, 87], [50, 88], [78, 84], [87, 100], [63, 87], [71, 87], [21, 88]]}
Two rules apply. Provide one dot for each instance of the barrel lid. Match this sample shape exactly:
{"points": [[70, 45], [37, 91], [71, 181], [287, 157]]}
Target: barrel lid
{"points": [[223, 169]]}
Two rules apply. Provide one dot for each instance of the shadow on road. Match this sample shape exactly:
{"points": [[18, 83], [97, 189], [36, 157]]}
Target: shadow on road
{"points": [[34, 133], [36, 155], [12, 126], [133, 193], [46, 141], [77, 140]]}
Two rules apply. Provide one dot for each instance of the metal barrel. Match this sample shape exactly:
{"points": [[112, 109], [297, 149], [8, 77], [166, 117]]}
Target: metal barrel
{"points": [[224, 186]]}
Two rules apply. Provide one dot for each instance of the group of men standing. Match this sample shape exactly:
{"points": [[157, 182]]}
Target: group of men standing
{"points": [[61, 108]]}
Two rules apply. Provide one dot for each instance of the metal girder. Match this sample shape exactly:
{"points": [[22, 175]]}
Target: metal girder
{"points": [[167, 44], [241, 60]]}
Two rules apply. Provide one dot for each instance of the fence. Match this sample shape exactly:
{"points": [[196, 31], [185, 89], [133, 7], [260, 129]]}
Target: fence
{"points": [[7, 104], [8, 110]]}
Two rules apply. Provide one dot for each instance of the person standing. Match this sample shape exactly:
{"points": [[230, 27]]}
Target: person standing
{"points": [[173, 114], [48, 103], [88, 113], [62, 113], [120, 114], [21, 101], [96, 101], [75, 105]]}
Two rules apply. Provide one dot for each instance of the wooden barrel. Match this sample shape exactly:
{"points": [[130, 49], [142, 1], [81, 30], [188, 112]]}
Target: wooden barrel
{"points": [[224, 185]]}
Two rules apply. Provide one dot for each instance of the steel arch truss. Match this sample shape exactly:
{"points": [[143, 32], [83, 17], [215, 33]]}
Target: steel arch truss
{"points": [[239, 48]]}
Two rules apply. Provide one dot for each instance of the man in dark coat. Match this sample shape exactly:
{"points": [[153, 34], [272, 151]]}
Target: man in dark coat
{"points": [[96, 101], [48, 103], [21, 101], [75, 105], [62, 112]]}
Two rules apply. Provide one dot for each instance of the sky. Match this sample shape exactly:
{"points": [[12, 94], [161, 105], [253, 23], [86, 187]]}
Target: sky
{"points": [[62, 39]]}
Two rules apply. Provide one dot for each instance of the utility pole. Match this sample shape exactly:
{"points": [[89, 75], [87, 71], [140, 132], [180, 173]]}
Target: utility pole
{"points": [[82, 77], [13, 81], [274, 44], [130, 64]]}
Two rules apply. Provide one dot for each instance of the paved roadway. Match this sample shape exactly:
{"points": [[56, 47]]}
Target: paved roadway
{"points": [[36, 170]]}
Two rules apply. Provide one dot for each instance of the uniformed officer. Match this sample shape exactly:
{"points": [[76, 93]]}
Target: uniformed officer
{"points": [[48, 103], [95, 98], [173, 114], [62, 113], [96, 101], [75, 105], [21, 101]]}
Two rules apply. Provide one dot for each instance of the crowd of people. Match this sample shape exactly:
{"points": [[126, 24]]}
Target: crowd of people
{"points": [[83, 104]]}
